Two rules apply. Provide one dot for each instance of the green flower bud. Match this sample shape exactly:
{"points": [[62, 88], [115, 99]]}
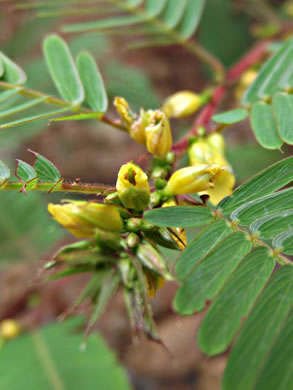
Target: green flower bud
{"points": [[152, 259], [132, 240], [133, 187]]}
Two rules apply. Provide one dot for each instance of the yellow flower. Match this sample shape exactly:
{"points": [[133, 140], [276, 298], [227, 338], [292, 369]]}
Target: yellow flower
{"points": [[154, 282], [182, 104], [193, 179], [211, 150], [137, 129], [124, 111], [9, 329], [158, 134], [81, 217], [133, 187]]}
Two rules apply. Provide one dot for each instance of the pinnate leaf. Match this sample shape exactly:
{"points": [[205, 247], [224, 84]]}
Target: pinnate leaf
{"points": [[201, 246], [253, 362], [264, 183], [206, 279], [225, 315]]}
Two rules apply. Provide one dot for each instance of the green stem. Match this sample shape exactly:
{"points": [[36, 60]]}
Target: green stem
{"points": [[59, 187], [60, 103]]}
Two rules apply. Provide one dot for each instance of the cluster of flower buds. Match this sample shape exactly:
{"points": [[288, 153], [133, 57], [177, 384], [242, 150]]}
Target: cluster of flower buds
{"points": [[151, 128], [211, 150], [121, 248]]}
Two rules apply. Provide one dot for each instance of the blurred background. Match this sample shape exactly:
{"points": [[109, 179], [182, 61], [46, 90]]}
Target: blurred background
{"points": [[93, 152]]}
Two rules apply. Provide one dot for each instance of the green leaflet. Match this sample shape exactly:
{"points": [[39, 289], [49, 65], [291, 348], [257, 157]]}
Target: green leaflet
{"points": [[179, 216], [284, 241], [155, 7], [274, 75], [45, 169], [4, 173], [62, 69], [283, 113], [249, 212], [201, 246], [226, 313], [271, 225], [269, 180], [264, 126], [191, 18], [44, 357], [12, 72], [25, 171], [232, 116], [210, 274], [173, 12], [103, 24], [95, 93], [256, 361]]}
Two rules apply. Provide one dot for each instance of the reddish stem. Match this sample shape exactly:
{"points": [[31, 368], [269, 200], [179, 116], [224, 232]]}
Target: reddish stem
{"points": [[203, 119]]}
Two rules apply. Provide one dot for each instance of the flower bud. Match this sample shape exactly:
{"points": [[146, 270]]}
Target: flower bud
{"points": [[81, 217], [9, 329], [124, 111], [107, 241], [133, 187], [158, 134], [153, 260], [216, 141], [193, 179], [182, 104]]}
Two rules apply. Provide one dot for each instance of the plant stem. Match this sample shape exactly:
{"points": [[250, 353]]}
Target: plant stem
{"points": [[60, 103], [59, 187]]}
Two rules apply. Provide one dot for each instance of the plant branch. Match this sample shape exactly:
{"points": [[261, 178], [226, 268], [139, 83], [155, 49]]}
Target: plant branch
{"points": [[81, 188], [60, 103]]}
